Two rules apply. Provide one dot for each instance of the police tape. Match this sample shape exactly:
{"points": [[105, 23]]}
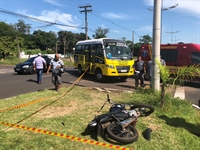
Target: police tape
{"points": [[66, 136], [42, 99], [26, 104]]}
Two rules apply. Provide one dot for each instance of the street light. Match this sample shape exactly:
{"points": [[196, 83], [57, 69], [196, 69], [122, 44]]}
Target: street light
{"points": [[162, 9]]}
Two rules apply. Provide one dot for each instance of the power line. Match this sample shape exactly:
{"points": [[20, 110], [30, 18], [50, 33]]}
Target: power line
{"points": [[36, 19]]}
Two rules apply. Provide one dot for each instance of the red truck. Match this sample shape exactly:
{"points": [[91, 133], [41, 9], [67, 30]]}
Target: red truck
{"points": [[175, 55]]}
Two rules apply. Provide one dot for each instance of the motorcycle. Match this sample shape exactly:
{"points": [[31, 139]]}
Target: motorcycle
{"points": [[119, 123]]}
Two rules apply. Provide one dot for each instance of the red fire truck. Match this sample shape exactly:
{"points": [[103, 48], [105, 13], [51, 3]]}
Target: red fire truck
{"points": [[175, 55]]}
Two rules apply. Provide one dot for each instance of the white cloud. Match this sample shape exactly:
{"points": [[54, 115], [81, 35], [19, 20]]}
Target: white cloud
{"points": [[53, 2], [116, 31], [115, 16], [57, 17], [192, 7]]}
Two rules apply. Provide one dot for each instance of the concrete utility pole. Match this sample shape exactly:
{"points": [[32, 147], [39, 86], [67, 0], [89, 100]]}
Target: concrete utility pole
{"points": [[133, 41], [86, 22], [156, 44]]}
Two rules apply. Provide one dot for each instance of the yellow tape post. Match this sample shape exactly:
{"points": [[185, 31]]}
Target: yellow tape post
{"points": [[66, 136]]}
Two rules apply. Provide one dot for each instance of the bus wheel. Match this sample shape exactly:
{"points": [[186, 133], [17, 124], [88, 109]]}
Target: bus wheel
{"points": [[80, 71], [99, 75]]}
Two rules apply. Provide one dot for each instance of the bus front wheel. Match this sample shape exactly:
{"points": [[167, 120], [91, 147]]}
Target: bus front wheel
{"points": [[80, 70], [99, 75]]}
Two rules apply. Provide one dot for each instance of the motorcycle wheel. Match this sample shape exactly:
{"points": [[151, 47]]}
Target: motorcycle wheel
{"points": [[144, 109], [129, 135]]}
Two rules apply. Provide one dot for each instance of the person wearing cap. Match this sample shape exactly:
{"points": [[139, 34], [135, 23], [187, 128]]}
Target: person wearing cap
{"points": [[140, 70], [39, 64]]}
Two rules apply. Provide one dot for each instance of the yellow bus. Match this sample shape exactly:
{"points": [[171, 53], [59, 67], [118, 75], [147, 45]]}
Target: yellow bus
{"points": [[105, 57]]}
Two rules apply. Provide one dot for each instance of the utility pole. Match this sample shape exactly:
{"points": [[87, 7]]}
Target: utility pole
{"points": [[17, 40], [172, 33], [86, 22], [156, 44], [133, 41]]}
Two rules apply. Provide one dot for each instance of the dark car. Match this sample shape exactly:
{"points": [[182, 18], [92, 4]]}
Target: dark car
{"points": [[27, 66]]}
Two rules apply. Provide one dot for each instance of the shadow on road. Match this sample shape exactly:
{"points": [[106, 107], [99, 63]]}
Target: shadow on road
{"points": [[31, 80]]}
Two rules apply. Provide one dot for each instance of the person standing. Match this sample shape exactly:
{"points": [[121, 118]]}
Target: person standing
{"points": [[140, 70], [150, 68], [56, 65], [39, 64]]}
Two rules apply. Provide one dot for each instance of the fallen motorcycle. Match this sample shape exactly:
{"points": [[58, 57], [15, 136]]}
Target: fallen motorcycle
{"points": [[119, 123]]}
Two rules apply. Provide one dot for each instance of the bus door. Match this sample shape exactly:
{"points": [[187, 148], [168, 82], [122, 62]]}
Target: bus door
{"points": [[86, 54], [92, 58]]}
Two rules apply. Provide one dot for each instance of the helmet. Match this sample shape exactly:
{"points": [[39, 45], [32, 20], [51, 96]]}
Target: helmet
{"points": [[117, 108]]}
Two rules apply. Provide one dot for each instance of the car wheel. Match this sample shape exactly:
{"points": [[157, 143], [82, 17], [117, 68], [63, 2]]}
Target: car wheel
{"points": [[32, 71]]}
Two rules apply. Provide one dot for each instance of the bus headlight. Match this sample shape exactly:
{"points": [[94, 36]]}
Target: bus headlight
{"points": [[110, 66]]}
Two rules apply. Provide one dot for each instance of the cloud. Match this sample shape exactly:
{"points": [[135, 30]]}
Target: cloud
{"points": [[116, 31], [115, 16], [57, 17], [184, 7], [53, 2]]}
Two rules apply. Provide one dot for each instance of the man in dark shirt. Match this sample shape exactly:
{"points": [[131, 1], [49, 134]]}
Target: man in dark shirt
{"points": [[140, 70]]}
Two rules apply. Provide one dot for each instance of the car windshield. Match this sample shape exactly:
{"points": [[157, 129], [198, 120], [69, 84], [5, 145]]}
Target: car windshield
{"points": [[30, 59], [118, 51]]}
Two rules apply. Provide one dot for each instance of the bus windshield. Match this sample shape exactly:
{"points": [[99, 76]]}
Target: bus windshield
{"points": [[118, 51]]}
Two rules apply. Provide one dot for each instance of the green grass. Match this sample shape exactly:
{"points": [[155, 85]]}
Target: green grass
{"points": [[174, 127], [14, 60]]}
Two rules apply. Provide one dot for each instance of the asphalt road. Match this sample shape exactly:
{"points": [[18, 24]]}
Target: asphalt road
{"points": [[12, 84]]}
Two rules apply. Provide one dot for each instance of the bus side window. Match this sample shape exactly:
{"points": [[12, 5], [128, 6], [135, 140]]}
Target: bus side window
{"points": [[78, 49], [99, 51]]}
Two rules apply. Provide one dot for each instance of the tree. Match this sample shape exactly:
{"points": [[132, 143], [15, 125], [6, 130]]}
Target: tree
{"points": [[145, 39], [183, 74], [80, 36], [22, 28], [100, 33], [44, 40], [67, 40], [137, 48], [7, 45], [6, 30]]}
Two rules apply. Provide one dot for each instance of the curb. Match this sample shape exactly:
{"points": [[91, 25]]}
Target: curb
{"points": [[180, 93]]}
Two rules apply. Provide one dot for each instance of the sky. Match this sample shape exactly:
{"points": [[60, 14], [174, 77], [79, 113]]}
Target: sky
{"points": [[124, 18]]}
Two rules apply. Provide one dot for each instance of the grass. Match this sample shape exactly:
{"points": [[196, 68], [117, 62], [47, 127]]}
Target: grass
{"points": [[174, 127], [11, 60]]}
